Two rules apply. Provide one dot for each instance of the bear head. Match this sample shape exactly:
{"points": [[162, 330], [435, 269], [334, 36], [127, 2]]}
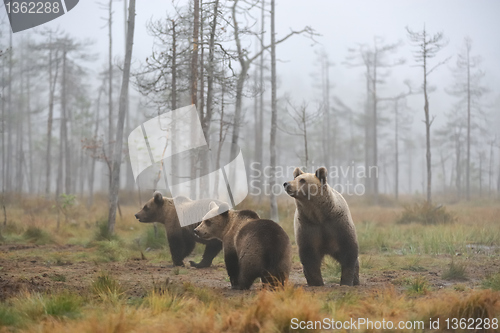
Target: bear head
{"points": [[153, 210], [307, 185], [214, 222]]}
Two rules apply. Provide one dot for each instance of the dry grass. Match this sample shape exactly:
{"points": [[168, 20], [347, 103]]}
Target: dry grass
{"points": [[404, 268]]}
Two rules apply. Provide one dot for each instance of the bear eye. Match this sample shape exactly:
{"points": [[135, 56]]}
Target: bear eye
{"points": [[145, 208], [302, 181], [208, 223]]}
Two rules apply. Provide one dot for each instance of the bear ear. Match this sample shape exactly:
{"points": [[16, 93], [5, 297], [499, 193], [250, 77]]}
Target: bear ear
{"points": [[158, 198], [297, 172], [212, 205], [321, 174], [223, 208]]}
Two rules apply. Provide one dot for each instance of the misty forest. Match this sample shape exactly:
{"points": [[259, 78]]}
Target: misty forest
{"points": [[413, 145]]}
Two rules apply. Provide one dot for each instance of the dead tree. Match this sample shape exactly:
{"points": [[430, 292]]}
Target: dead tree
{"points": [[117, 160], [427, 48], [468, 88], [245, 60]]}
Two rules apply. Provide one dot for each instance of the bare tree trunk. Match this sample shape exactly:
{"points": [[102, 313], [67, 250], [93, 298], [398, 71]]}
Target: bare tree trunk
{"points": [[410, 171], [274, 118], [458, 179], [374, 124], [174, 95], [326, 102], [19, 130], [210, 72], [111, 135], [90, 201], [481, 157], [396, 149], [29, 166], [368, 160], [64, 124], [427, 46], [490, 168], [115, 179], [204, 158], [427, 136], [498, 180], [52, 89], [194, 85], [467, 167], [201, 88], [304, 119], [221, 139], [4, 121], [260, 135], [8, 176]]}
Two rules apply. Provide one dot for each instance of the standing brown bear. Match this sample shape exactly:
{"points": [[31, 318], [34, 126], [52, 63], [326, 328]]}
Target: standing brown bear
{"points": [[323, 225], [252, 247], [181, 240]]}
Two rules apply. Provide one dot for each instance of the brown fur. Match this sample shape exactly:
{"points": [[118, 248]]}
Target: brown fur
{"points": [[323, 225], [181, 240], [252, 247]]}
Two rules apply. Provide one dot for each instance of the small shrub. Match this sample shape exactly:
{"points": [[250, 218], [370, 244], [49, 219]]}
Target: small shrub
{"points": [[455, 271], [107, 288], [37, 236], [102, 233], [8, 316], [113, 250], [426, 214], [155, 241], [418, 286], [63, 305], [492, 282]]}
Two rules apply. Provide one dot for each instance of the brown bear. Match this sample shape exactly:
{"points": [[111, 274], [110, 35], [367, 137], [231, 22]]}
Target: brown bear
{"points": [[253, 247], [323, 225], [181, 240]]}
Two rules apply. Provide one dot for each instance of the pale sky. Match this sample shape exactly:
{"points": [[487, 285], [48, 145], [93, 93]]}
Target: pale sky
{"points": [[342, 24]]}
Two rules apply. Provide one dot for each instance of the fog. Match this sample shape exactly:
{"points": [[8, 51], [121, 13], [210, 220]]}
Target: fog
{"points": [[338, 27]]}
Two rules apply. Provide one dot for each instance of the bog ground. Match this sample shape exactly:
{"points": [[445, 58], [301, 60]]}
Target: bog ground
{"points": [[78, 278]]}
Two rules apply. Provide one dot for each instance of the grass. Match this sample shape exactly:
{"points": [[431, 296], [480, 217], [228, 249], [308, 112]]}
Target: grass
{"points": [[455, 271], [492, 282], [102, 232], [406, 270], [425, 213], [37, 235], [154, 240], [107, 289], [418, 286]]}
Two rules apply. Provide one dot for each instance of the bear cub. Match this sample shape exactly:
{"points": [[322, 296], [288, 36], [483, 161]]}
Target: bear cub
{"points": [[181, 240], [323, 225], [253, 247]]}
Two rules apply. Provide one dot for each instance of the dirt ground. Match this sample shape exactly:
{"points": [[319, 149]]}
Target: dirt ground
{"points": [[22, 267]]}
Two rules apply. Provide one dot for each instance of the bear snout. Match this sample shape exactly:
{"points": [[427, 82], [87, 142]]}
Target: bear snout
{"points": [[285, 184], [197, 233]]}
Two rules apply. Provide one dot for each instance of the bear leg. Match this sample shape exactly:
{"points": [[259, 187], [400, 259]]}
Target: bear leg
{"points": [[176, 245], [212, 249], [350, 274], [247, 276], [356, 274], [232, 267], [189, 243], [311, 264]]}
